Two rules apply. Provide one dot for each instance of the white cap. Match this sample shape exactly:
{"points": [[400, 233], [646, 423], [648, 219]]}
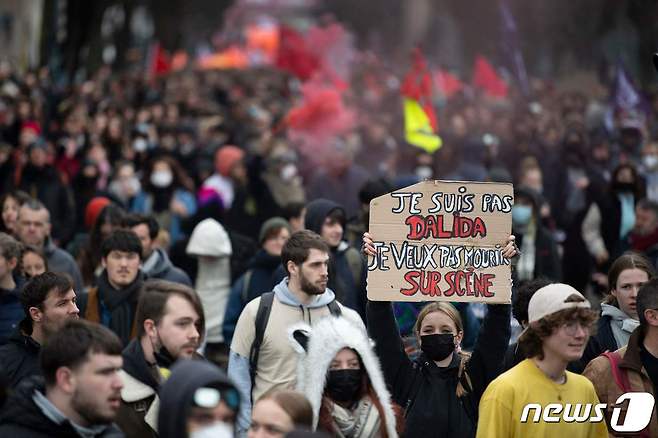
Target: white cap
{"points": [[553, 298]]}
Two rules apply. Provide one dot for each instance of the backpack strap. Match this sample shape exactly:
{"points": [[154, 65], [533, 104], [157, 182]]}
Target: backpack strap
{"points": [[620, 376], [246, 282], [621, 379], [334, 308], [262, 316]]}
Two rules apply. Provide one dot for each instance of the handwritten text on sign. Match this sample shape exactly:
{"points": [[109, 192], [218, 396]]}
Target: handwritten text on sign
{"points": [[441, 240]]}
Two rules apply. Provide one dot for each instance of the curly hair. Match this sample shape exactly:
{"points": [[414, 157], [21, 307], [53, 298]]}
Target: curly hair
{"points": [[531, 340], [521, 298]]}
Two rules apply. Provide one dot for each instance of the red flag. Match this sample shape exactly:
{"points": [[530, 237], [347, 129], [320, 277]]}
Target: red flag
{"points": [[417, 85], [160, 61], [447, 83], [294, 55], [486, 78]]}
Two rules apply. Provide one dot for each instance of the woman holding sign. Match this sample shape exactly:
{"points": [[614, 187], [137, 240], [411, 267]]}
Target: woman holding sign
{"points": [[440, 391]]}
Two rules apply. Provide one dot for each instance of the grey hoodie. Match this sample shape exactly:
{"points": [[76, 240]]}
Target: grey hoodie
{"points": [[158, 265]]}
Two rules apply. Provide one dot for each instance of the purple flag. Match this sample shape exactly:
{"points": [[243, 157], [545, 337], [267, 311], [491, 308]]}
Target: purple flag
{"points": [[626, 99], [511, 47]]}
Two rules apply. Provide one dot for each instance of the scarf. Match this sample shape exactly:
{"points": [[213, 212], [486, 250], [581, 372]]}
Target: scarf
{"points": [[120, 304], [641, 243], [622, 325], [361, 422]]}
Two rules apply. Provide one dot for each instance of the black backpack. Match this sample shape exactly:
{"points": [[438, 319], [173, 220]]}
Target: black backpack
{"points": [[262, 317]]}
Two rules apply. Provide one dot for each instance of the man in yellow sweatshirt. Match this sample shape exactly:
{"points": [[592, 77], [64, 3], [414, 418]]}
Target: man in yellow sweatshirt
{"points": [[539, 397]]}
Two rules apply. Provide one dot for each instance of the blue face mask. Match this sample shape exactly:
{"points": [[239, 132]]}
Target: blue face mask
{"points": [[521, 214]]}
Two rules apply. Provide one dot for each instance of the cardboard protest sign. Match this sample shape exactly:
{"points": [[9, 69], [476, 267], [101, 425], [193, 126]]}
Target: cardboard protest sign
{"points": [[441, 241]]}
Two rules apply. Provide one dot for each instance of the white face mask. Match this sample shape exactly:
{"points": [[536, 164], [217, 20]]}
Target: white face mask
{"points": [[162, 178], [650, 161], [217, 430], [288, 172], [140, 145], [424, 172], [132, 186]]}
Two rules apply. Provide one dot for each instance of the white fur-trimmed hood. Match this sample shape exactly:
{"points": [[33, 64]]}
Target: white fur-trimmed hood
{"points": [[325, 339]]}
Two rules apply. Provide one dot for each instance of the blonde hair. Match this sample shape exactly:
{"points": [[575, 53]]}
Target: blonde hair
{"points": [[439, 306], [452, 313]]}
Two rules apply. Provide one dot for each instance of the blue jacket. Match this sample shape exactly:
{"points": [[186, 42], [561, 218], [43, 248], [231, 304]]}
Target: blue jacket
{"points": [[259, 278], [11, 310], [143, 204]]}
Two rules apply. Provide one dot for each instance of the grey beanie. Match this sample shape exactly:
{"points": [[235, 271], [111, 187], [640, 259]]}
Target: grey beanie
{"points": [[270, 224]]}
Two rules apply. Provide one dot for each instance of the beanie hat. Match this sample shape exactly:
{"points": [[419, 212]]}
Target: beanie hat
{"points": [[271, 224], [94, 209], [226, 157]]}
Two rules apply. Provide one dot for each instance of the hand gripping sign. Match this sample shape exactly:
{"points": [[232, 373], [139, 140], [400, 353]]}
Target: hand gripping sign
{"points": [[441, 241]]}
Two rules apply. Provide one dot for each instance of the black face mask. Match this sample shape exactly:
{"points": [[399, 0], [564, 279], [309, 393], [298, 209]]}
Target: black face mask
{"points": [[343, 385], [624, 187], [437, 346]]}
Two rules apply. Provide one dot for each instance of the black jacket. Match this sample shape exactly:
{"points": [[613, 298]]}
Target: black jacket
{"points": [[131, 415], [547, 258], [428, 393], [19, 357], [22, 418]]}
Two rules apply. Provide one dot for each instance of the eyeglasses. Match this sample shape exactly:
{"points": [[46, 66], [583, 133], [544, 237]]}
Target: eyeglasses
{"points": [[571, 327], [210, 397]]}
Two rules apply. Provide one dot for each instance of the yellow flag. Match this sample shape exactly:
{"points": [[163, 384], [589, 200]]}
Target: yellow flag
{"points": [[417, 128]]}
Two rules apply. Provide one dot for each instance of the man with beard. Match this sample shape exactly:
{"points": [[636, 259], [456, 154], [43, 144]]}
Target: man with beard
{"points": [[49, 302], [81, 393], [33, 227], [114, 301], [261, 356], [347, 268], [170, 327]]}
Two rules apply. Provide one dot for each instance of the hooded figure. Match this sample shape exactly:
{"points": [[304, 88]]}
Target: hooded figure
{"points": [[347, 269], [317, 347], [211, 244], [179, 393]]}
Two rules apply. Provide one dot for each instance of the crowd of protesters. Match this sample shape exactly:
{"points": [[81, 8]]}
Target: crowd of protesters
{"points": [[148, 224]]}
